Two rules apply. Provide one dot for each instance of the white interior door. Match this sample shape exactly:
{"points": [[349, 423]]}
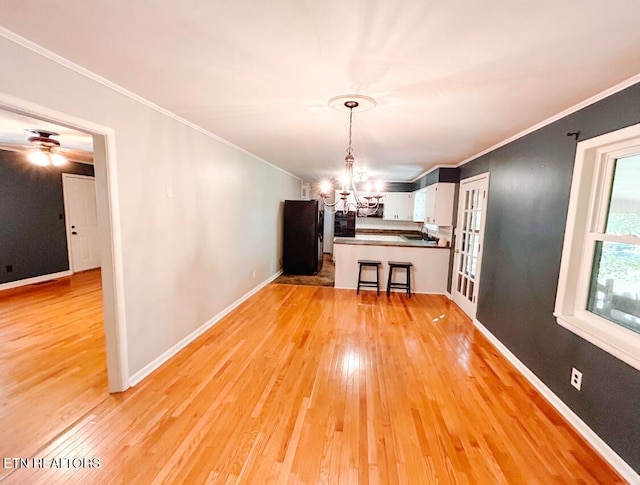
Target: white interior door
{"points": [[82, 221], [472, 206]]}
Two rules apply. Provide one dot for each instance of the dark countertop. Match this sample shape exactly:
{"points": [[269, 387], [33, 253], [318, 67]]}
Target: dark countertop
{"points": [[386, 240]]}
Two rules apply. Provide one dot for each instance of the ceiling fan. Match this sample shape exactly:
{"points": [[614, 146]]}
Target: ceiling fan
{"points": [[45, 150]]}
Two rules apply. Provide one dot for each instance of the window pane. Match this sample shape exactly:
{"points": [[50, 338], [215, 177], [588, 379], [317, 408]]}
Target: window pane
{"points": [[615, 284], [624, 205]]}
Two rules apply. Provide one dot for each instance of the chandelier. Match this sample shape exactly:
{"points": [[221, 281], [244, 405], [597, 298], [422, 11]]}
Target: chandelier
{"points": [[366, 200], [44, 152]]}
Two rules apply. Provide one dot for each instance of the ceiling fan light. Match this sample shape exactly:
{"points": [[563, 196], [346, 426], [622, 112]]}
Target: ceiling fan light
{"points": [[57, 160], [38, 157]]}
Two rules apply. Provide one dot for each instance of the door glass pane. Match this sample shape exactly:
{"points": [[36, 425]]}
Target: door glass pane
{"points": [[474, 262], [477, 221], [624, 206], [476, 245], [615, 284], [470, 296]]}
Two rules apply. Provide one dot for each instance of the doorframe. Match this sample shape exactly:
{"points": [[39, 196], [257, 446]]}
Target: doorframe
{"points": [[456, 254], [65, 178], [109, 226]]}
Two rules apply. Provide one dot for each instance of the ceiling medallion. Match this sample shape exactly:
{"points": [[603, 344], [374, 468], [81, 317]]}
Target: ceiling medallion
{"points": [[363, 103]]}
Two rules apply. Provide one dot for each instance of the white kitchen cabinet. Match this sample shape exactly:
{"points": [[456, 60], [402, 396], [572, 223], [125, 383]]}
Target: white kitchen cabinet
{"points": [[398, 206], [419, 202], [438, 209]]}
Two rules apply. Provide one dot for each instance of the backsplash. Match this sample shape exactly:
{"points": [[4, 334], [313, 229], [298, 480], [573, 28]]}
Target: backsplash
{"points": [[377, 223]]}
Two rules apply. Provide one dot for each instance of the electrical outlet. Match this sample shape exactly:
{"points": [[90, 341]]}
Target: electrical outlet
{"points": [[254, 274], [576, 378]]}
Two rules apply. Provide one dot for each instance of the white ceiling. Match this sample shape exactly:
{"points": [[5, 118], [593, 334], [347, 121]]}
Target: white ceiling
{"points": [[451, 78]]}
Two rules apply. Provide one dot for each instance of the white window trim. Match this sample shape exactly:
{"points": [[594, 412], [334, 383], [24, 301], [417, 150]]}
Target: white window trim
{"points": [[591, 181]]}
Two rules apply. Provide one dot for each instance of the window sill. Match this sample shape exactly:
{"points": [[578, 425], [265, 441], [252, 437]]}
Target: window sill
{"points": [[610, 337]]}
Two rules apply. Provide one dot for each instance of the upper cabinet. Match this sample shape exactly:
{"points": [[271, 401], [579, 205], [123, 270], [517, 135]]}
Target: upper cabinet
{"points": [[398, 206], [419, 201], [438, 208]]}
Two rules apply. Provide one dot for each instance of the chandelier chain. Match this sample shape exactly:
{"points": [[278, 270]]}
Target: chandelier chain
{"points": [[349, 149]]}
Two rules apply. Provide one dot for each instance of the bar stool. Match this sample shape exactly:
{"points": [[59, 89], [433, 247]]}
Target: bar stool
{"points": [[404, 286], [373, 284]]}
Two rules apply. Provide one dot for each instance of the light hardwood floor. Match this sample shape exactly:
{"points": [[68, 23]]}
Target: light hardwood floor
{"points": [[316, 385], [52, 360]]}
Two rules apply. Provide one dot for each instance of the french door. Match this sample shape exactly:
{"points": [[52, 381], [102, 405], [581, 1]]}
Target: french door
{"points": [[472, 207]]}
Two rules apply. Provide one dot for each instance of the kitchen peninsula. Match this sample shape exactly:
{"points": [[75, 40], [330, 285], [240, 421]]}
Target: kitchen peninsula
{"points": [[430, 261]]}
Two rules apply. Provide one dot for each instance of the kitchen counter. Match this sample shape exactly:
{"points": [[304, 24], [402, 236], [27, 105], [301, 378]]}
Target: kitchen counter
{"points": [[428, 274], [387, 240]]}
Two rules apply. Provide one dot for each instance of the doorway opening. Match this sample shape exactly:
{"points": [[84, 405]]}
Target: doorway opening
{"points": [[63, 330]]}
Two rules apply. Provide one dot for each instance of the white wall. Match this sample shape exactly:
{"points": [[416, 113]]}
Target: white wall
{"points": [[197, 216]]}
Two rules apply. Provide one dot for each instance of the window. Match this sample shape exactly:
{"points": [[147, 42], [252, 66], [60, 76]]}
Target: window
{"points": [[599, 286]]}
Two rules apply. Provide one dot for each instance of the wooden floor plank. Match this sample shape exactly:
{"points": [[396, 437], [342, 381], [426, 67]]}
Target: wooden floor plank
{"points": [[297, 385]]}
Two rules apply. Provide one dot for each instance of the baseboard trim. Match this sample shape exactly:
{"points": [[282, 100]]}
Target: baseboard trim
{"points": [[578, 424], [448, 295], [157, 362], [34, 280]]}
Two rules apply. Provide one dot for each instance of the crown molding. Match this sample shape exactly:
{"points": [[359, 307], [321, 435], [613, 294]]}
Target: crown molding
{"points": [[577, 107], [52, 56], [436, 167]]}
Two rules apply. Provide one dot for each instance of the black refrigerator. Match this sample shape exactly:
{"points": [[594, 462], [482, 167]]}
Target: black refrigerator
{"points": [[303, 233]]}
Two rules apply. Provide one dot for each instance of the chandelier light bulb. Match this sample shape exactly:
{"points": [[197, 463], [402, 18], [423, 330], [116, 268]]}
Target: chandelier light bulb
{"points": [[345, 181], [325, 187]]}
